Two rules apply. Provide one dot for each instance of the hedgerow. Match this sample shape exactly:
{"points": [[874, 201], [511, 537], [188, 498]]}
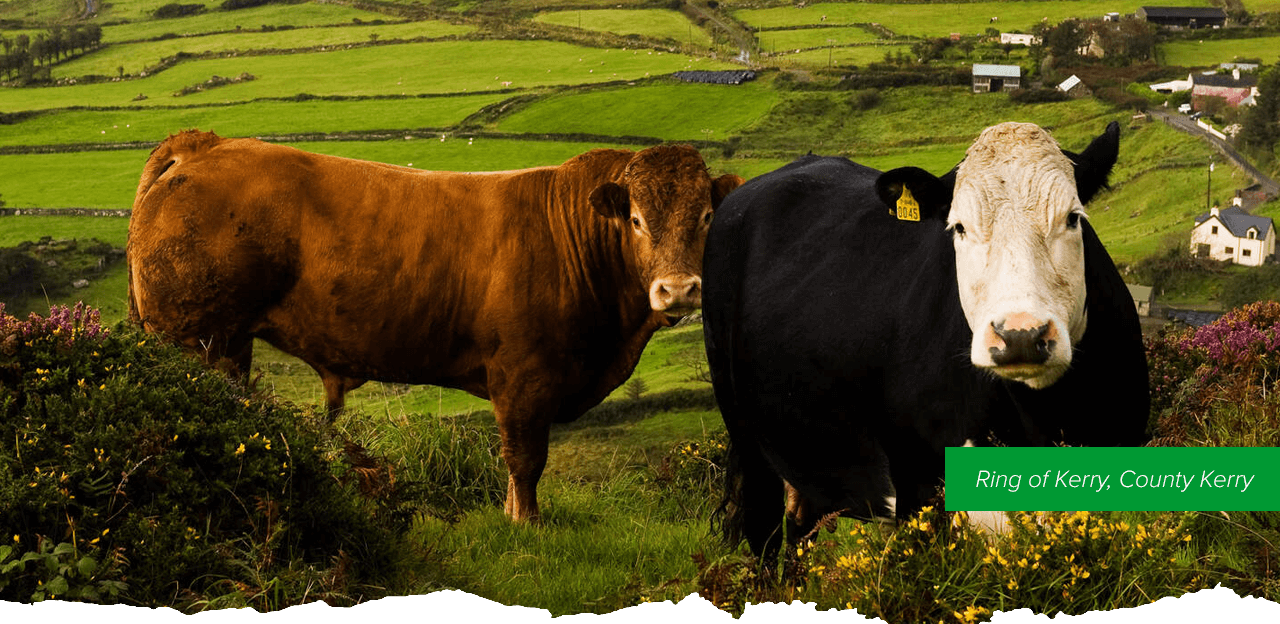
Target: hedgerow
{"points": [[132, 473]]}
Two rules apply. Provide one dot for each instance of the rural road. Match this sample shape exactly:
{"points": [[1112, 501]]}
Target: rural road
{"points": [[1185, 124]]}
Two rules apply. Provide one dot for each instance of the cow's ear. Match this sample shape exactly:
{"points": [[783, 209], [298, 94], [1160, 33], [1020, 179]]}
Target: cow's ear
{"points": [[722, 186], [1094, 164], [933, 194], [611, 201]]}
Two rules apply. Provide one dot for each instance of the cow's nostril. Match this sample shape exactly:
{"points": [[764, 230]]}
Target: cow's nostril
{"points": [[1022, 346]]}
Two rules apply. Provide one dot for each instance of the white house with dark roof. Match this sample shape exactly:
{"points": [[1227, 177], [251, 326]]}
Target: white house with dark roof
{"points": [[1235, 235], [993, 78]]}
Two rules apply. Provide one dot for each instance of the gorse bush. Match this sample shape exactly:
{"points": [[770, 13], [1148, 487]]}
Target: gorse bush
{"points": [[132, 473]]}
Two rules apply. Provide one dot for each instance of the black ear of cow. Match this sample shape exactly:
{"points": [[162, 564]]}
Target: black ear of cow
{"points": [[931, 192], [1094, 164], [611, 200], [722, 186]]}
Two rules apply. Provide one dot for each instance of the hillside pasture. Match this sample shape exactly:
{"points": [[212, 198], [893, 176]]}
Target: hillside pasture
{"points": [[436, 67], [841, 56], [134, 57], [1207, 53], [141, 26], [654, 23], [805, 38], [40, 11], [109, 179], [677, 111], [251, 119], [940, 19]]}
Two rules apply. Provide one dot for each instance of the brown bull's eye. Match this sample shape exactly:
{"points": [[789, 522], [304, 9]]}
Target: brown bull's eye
{"points": [[636, 222]]}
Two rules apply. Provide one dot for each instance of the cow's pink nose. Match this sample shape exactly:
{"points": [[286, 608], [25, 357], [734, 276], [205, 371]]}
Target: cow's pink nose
{"points": [[676, 293], [1020, 339]]}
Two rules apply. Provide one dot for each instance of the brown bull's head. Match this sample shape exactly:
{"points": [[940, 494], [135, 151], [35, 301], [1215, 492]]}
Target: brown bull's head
{"points": [[666, 199]]}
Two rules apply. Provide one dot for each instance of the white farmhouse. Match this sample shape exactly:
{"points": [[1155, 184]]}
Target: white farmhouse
{"points": [[1234, 235], [1019, 39]]}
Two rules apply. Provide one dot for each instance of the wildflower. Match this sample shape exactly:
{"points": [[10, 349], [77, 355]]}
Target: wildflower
{"points": [[240, 449]]}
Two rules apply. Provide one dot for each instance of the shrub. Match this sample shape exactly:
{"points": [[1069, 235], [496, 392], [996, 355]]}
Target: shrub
{"points": [[174, 9], [1037, 96], [691, 476], [140, 476], [1217, 385]]}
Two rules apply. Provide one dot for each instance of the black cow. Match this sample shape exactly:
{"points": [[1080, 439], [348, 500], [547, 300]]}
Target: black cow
{"points": [[848, 346]]}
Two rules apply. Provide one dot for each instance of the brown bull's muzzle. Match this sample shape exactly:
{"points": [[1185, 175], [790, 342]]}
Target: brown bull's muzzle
{"points": [[676, 295]]}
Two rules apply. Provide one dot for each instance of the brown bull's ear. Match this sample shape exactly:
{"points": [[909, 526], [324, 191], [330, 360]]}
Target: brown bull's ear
{"points": [[722, 186], [932, 194], [611, 200]]}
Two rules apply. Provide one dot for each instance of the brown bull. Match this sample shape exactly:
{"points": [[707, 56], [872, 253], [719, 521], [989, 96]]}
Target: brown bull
{"points": [[536, 289]]}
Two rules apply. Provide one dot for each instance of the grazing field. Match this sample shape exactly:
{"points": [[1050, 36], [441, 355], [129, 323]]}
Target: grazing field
{"points": [[939, 19], [669, 111], [252, 119], [860, 55], [439, 67], [1212, 52], [135, 57], [804, 38], [656, 23], [142, 27]]}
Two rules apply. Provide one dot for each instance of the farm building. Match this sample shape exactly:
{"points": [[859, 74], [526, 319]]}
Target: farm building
{"points": [[1019, 39], [1142, 298], [1234, 235], [1073, 86], [995, 78], [1183, 17], [1236, 88]]}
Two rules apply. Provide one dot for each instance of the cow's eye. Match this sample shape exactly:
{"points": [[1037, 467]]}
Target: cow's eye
{"points": [[706, 218], [958, 229], [1073, 220], [635, 221]]}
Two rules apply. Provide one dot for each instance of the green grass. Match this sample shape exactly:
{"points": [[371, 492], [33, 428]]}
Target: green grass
{"points": [[252, 119], [937, 19], [655, 23], [837, 56], [109, 179], [1211, 52], [1158, 188], [74, 180], [438, 67], [22, 228], [306, 14], [135, 57], [667, 111], [40, 11], [803, 38]]}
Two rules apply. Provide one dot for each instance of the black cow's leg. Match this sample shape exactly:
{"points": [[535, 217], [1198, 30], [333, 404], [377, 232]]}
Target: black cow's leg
{"points": [[753, 501], [916, 471]]}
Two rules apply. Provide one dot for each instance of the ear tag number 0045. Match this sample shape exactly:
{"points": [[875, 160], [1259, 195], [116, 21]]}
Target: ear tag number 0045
{"points": [[908, 208]]}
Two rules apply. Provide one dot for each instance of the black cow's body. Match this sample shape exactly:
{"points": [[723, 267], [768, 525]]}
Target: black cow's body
{"points": [[840, 353]]}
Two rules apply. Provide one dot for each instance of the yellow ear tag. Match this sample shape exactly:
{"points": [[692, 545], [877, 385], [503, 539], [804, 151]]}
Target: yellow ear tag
{"points": [[908, 207]]}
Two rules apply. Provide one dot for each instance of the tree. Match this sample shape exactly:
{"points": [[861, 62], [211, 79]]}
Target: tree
{"points": [[1260, 131]]}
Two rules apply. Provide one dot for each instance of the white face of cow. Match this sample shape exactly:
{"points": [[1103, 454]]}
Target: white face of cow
{"points": [[1015, 220]]}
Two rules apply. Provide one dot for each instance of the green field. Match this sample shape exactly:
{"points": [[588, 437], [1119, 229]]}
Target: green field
{"points": [[251, 119], [656, 23], [1212, 52], [804, 38], [141, 26], [673, 112], [861, 55], [940, 19], [134, 57], [439, 67]]}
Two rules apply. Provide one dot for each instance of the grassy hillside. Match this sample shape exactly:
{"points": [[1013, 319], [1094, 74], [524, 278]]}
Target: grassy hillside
{"points": [[656, 23]]}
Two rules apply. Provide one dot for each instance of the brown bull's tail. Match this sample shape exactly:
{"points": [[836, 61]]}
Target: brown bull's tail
{"points": [[172, 151]]}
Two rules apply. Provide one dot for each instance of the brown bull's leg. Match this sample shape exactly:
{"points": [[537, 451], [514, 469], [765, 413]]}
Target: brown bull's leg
{"points": [[336, 388], [525, 435]]}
